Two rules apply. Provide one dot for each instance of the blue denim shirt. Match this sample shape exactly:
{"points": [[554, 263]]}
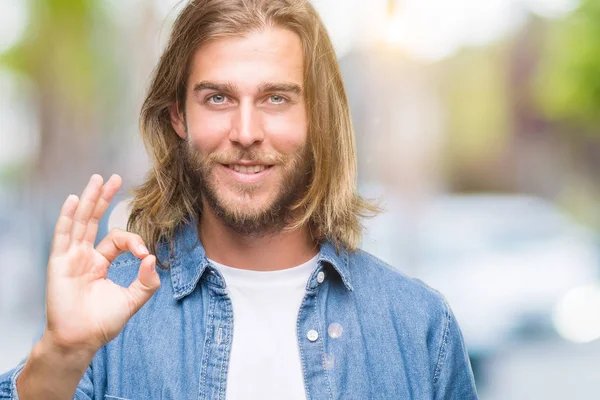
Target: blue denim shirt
{"points": [[381, 335]]}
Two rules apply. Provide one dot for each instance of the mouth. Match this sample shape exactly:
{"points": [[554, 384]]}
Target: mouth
{"points": [[247, 173], [248, 169]]}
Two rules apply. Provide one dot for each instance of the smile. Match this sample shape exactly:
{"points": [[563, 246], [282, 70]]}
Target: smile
{"points": [[247, 174], [248, 169]]}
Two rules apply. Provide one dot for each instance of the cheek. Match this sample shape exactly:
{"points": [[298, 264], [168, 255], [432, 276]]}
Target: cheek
{"points": [[287, 133], [208, 130]]}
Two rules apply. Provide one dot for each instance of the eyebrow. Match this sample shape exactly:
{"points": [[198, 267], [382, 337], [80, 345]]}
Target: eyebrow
{"points": [[229, 87], [280, 87], [220, 87]]}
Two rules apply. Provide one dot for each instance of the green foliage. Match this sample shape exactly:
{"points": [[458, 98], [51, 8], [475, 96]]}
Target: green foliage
{"points": [[567, 85], [478, 116], [60, 50]]}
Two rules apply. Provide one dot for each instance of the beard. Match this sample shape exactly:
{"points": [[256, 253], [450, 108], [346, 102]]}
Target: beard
{"points": [[273, 216]]}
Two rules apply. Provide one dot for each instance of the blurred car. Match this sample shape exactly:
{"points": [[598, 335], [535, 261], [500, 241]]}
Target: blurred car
{"points": [[502, 261]]}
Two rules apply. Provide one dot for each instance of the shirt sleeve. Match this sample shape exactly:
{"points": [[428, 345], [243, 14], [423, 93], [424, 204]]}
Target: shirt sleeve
{"points": [[8, 380], [453, 378], [8, 384]]}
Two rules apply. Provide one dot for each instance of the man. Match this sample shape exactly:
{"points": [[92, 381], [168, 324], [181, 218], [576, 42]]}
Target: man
{"points": [[252, 215]]}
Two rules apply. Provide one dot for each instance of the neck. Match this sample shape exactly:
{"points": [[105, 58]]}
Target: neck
{"points": [[277, 251]]}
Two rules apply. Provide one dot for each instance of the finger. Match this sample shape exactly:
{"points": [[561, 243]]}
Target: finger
{"points": [[87, 203], [118, 241], [106, 195], [146, 283], [62, 229]]}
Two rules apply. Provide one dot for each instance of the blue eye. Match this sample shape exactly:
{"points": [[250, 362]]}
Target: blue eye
{"points": [[276, 99], [217, 99]]}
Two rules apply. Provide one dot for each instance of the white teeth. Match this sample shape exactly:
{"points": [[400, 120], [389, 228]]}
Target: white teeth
{"points": [[247, 170]]}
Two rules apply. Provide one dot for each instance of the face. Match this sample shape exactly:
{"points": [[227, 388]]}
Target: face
{"points": [[245, 127]]}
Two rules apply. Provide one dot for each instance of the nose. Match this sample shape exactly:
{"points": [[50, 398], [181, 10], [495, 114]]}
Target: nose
{"points": [[246, 128]]}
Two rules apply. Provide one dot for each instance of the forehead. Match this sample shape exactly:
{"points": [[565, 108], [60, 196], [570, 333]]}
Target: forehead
{"points": [[272, 54]]}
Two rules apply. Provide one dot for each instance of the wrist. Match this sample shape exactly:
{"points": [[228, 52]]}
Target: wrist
{"points": [[52, 372], [50, 348]]}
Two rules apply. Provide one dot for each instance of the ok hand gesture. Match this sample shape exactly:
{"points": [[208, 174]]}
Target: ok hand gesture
{"points": [[84, 309]]}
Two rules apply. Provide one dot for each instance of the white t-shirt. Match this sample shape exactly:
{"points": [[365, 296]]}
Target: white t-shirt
{"points": [[265, 359]]}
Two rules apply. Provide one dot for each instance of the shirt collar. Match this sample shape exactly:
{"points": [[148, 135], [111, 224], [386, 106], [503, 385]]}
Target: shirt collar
{"points": [[338, 260], [188, 261]]}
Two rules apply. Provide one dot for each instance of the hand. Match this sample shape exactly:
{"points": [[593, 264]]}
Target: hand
{"points": [[84, 309]]}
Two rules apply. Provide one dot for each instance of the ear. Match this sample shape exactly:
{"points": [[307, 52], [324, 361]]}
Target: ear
{"points": [[177, 120]]}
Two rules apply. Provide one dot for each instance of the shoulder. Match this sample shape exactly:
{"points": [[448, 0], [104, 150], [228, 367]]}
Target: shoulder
{"points": [[375, 278]]}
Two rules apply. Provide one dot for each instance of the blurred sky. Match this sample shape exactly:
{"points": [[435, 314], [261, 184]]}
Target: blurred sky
{"points": [[429, 29], [426, 29]]}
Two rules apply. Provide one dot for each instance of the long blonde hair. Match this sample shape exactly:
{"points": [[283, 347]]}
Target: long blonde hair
{"points": [[331, 206]]}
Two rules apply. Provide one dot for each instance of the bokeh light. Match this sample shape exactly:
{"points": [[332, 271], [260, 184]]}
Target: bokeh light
{"points": [[13, 22]]}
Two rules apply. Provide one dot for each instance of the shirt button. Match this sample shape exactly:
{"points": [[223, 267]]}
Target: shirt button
{"points": [[312, 335], [320, 276]]}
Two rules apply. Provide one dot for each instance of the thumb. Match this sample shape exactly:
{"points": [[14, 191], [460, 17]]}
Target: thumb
{"points": [[146, 283]]}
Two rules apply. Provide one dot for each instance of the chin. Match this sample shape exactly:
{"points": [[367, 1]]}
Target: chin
{"points": [[249, 209], [246, 205]]}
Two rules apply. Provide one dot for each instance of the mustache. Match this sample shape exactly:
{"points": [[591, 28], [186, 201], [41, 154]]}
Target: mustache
{"points": [[231, 157]]}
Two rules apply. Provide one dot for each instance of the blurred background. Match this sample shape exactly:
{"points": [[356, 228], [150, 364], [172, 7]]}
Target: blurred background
{"points": [[478, 128]]}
